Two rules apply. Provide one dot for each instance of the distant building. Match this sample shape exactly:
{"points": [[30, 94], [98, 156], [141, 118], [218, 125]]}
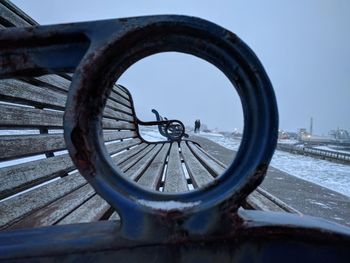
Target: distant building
{"points": [[340, 136], [302, 134]]}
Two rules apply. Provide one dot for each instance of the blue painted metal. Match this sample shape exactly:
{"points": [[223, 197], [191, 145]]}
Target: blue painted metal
{"points": [[173, 226], [259, 237], [199, 212]]}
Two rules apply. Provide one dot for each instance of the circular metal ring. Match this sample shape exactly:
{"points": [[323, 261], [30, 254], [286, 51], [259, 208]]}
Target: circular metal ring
{"points": [[145, 36], [174, 130]]}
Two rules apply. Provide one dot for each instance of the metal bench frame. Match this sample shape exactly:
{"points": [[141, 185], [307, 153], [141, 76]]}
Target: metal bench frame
{"points": [[202, 225]]}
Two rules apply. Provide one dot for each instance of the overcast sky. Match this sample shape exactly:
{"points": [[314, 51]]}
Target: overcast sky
{"points": [[304, 46]]}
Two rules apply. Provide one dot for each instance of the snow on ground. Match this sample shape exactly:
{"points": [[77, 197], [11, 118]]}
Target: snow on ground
{"points": [[331, 175], [151, 134], [230, 143], [287, 141], [327, 174]]}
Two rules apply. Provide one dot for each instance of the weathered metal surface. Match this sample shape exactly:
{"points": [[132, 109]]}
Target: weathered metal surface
{"points": [[253, 86], [180, 226], [260, 237]]}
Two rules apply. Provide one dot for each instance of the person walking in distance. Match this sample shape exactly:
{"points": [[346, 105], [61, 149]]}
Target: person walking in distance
{"points": [[197, 126]]}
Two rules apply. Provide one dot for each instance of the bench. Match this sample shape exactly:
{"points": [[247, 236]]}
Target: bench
{"points": [[41, 186], [37, 168]]}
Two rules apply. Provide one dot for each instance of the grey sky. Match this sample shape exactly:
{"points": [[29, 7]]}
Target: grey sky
{"points": [[304, 46]]}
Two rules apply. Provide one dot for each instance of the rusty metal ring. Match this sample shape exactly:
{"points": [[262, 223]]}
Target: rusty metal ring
{"points": [[199, 211]]}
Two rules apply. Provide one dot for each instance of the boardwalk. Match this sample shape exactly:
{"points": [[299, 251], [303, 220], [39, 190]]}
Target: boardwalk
{"points": [[304, 196]]}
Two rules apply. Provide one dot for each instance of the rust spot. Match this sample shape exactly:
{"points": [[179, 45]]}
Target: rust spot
{"points": [[82, 154]]}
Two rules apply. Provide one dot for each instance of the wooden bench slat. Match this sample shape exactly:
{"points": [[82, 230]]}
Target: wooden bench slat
{"points": [[117, 89], [14, 146], [118, 107], [92, 210], [152, 176], [113, 135], [19, 177], [23, 117], [118, 98], [14, 116], [213, 167], [37, 198], [113, 124], [136, 170], [119, 146], [259, 202], [55, 211], [128, 154], [197, 172], [11, 17], [135, 158], [17, 91], [175, 180], [212, 157], [117, 115], [18, 12], [54, 80]]}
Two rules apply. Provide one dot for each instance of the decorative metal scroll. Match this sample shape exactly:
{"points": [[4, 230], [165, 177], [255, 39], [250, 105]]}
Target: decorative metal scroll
{"points": [[173, 130]]}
